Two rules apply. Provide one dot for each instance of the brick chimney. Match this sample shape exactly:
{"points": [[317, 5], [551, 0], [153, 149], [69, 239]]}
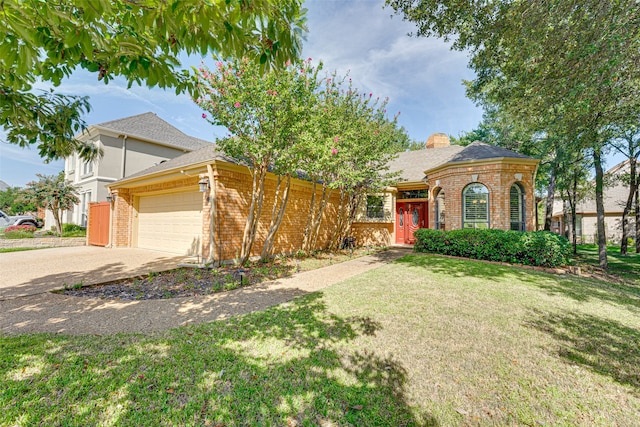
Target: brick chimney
{"points": [[438, 140]]}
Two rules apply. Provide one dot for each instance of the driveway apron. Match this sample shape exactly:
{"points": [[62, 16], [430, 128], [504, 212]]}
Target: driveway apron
{"points": [[35, 272], [43, 311]]}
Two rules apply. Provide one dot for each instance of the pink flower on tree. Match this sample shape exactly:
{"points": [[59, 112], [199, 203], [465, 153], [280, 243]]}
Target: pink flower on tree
{"points": [[334, 151], [204, 116], [237, 105], [336, 139]]}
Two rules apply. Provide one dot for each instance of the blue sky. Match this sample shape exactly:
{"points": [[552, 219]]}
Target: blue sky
{"points": [[421, 76]]}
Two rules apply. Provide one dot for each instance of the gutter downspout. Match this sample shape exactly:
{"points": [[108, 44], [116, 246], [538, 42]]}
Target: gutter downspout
{"points": [[124, 156], [213, 217]]}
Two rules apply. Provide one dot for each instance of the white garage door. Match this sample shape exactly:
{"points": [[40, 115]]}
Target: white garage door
{"points": [[171, 223]]}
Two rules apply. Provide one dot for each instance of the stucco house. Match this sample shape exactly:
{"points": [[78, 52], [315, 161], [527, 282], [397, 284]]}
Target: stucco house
{"points": [[130, 145], [442, 186], [615, 195]]}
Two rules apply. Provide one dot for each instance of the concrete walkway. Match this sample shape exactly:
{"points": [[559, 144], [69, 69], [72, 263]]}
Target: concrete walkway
{"points": [[30, 311]]}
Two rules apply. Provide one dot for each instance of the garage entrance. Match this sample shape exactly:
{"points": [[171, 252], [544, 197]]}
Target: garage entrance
{"points": [[171, 223]]}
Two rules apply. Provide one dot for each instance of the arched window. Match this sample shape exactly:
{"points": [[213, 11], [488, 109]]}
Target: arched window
{"points": [[440, 219], [516, 208], [475, 206]]}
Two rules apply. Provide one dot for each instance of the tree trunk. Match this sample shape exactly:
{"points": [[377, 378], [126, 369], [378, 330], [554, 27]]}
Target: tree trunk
{"points": [[573, 201], [633, 187], [277, 214], [602, 236], [306, 237], [253, 216], [317, 221], [637, 209], [340, 220], [550, 197], [56, 212]]}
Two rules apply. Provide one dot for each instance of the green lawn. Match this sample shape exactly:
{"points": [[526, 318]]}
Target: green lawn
{"points": [[423, 341], [5, 250], [627, 267]]}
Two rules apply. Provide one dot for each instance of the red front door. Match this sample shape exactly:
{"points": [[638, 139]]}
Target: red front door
{"points": [[400, 222], [409, 218]]}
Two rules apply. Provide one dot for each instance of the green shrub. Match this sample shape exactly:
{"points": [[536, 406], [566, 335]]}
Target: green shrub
{"points": [[73, 230], [19, 232], [69, 228], [538, 248]]}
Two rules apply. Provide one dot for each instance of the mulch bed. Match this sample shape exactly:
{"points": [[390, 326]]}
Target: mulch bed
{"points": [[182, 282]]}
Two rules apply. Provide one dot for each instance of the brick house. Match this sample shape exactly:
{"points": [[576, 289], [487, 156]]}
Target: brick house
{"points": [[442, 186]]}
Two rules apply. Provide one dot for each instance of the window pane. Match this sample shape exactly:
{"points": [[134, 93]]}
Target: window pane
{"points": [[476, 206], [375, 207]]}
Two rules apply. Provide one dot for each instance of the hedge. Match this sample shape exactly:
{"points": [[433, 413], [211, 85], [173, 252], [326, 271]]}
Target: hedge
{"points": [[539, 248], [19, 231]]}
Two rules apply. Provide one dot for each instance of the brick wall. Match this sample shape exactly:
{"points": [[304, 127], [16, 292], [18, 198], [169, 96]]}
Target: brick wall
{"points": [[234, 197], [372, 234], [498, 177]]}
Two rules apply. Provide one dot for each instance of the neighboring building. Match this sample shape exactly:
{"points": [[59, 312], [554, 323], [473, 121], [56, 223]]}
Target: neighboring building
{"points": [[130, 145], [3, 186], [442, 186], [615, 196]]}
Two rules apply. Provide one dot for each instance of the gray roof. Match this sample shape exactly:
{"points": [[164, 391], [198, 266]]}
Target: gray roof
{"points": [[414, 163], [150, 127], [3, 186], [208, 153], [480, 151], [614, 195]]}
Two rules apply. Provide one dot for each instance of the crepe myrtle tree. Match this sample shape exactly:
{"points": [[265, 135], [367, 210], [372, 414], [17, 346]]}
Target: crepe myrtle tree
{"points": [[348, 147], [142, 41], [52, 192], [361, 155], [266, 114]]}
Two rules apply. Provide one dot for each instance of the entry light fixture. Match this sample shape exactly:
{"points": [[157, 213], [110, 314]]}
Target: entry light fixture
{"points": [[110, 198], [204, 184]]}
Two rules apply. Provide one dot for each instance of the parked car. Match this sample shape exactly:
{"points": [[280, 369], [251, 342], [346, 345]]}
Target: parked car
{"points": [[7, 220]]}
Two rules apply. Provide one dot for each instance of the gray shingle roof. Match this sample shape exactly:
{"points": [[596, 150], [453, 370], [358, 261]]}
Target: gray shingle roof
{"points": [[204, 154], [150, 127], [480, 151], [414, 163], [614, 195]]}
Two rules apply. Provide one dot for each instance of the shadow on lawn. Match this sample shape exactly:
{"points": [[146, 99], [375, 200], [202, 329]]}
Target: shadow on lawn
{"points": [[574, 287], [604, 346], [456, 267], [292, 364]]}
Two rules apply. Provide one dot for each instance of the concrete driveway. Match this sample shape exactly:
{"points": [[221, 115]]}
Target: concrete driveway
{"points": [[35, 272], [42, 311]]}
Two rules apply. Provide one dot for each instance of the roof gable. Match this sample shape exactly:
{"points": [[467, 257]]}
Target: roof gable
{"points": [[150, 127]]}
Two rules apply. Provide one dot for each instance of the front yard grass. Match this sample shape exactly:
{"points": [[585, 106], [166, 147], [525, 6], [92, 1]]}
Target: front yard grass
{"points": [[426, 340], [627, 267]]}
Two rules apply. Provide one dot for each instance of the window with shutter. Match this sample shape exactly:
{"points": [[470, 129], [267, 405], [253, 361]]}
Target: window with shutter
{"points": [[516, 208], [475, 204]]}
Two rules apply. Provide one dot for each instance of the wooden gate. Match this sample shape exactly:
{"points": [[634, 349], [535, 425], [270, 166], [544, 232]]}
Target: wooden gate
{"points": [[98, 223]]}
